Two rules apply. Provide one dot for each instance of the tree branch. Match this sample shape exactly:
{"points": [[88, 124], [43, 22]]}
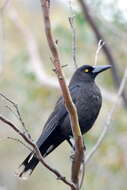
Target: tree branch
{"points": [[108, 119], [18, 114], [19, 141], [106, 48], [66, 94], [70, 107], [71, 21], [35, 60], [99, 47], [37, 152]]}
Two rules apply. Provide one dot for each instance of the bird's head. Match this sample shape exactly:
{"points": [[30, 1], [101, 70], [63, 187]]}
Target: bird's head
{"points": [[88, 73]]}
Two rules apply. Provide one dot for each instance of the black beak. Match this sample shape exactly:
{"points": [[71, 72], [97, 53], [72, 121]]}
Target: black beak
{"points": [[99, 69]]}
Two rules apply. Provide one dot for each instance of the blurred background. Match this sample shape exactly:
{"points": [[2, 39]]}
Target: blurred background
{"points": [[26, 77]]}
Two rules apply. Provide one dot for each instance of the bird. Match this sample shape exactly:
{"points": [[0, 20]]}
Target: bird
{"points": [[87, 98]]}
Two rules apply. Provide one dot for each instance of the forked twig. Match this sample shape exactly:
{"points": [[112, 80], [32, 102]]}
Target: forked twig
{"points": [[35, 60], [18, 113], [99, 47], [37, 152], [19, 141], [12, 111], [106, 49]]}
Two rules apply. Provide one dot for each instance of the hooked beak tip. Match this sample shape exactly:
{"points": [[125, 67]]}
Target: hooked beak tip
{"points": [[99, 69]]}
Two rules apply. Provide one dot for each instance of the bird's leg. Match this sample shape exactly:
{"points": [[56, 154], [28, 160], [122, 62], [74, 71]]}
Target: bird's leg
{"points": [[84, 147], [72, 146], [70, 143]]}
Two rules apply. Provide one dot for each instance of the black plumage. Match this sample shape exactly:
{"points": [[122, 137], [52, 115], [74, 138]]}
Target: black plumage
{"points": [[87, 98]]}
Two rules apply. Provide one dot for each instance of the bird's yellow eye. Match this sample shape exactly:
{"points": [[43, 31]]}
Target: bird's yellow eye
{"points": [[86, 70]]}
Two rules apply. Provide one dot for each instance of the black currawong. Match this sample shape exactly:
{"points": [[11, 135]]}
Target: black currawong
{"points": [[87, 98]]}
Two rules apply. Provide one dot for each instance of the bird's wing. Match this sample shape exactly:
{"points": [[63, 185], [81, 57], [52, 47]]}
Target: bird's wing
{"points": [[57, 116]]}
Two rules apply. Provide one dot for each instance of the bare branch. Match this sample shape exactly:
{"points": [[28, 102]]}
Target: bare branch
{"points": [[66, 94], [19, 141], [71, 21], [11, 110], [99, 47], [108, 119], [36, 61], [18, 113], [37, 152], [106, 49]]}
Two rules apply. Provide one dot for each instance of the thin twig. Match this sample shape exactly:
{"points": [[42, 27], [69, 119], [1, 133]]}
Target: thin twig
{"points": [[10, 109], [37, 152], [106, 49], [108, 119], [18, 113], [19, 141], [72, 25], [99, 47]]}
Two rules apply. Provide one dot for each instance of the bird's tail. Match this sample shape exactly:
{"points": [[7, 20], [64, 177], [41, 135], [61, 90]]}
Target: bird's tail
{"points": [[27, 167], [29, 164]]}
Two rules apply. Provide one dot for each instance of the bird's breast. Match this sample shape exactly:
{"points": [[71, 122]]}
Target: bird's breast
{"points": [[88, 103], [88, 106]]}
